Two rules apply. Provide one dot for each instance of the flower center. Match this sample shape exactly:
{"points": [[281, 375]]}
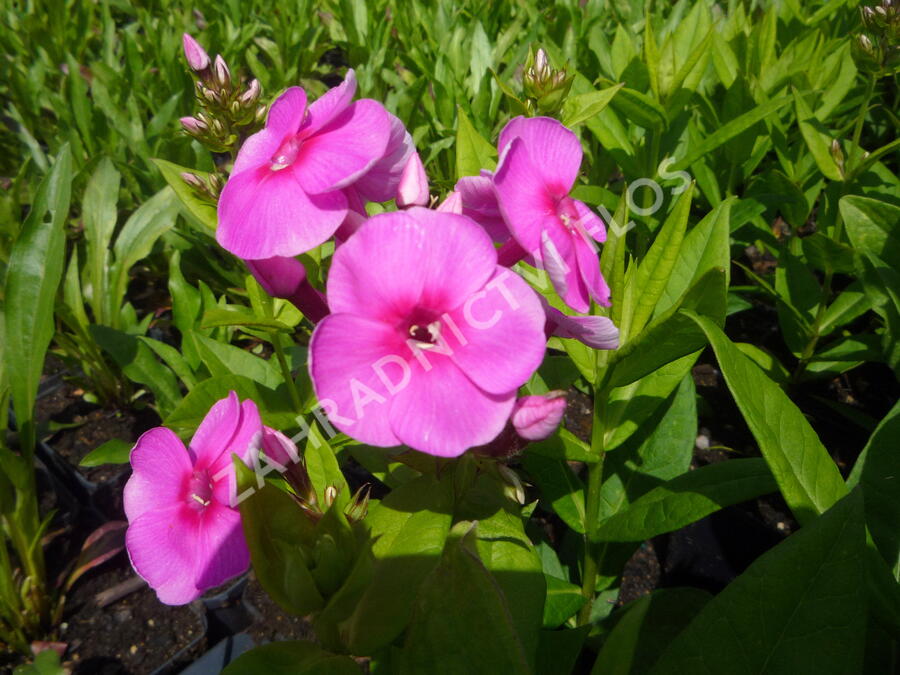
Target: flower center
{"points": [[200, 490], [425, 336], [286, 153], [567, 213]]}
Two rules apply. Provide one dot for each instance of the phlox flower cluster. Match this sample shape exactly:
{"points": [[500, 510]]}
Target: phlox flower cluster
{"points": [[424, 332]]}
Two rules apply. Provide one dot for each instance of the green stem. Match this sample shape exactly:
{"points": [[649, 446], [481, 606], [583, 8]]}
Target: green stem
{"points": [[286, 373], [860, 120], [592, 561]]}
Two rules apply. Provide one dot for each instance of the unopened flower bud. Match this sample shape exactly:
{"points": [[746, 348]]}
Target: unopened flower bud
{"points": [[192, 180], [358, 508], [196, 56], [837, 154], [223, 75], [413, 187], [541, 63], [250, 96], [193, 126], [537, 417], [329, 496], [512, 479]]}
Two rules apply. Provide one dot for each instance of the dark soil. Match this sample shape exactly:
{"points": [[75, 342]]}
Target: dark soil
{"points": [[137, 634], [270, 622]]}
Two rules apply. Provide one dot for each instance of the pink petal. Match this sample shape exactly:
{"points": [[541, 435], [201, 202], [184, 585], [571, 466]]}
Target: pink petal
{"points": [[598, 332], [424, 258], [286, 113], [257, 151], [452, 204], [413, 187], [221, 550], [344, 352], [379, 183], [506, 312], [162, 546], [443, 413], [265, 213], [480, 204], [554, 149], [524, 197], [161, 468], [229, 427], [329, 105], [345, 149], [280, 277], [537, 417], [590, 222], [558, 257], [589, 270]]}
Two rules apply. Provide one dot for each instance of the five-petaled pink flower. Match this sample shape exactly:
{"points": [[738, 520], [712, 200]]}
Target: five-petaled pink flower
{"points": [[539, 162], [184, 536], [428, 339], [285, 194]]}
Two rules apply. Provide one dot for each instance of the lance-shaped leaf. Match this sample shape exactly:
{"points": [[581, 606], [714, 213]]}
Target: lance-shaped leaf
{"points": [[32, 278], [462, 632], [688, 498], [773, 619], [806, 475]]}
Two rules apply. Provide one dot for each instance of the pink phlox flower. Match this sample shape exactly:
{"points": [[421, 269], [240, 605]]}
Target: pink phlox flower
{"points": [[539, 163], [428, 339], [184, 536], [285, 195]]}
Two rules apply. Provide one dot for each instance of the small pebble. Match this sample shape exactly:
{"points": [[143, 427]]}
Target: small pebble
{"points": [[133, 649], [702, 442], [151, 623]]}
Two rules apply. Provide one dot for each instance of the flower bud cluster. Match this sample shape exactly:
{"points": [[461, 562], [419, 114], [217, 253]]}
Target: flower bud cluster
{"points": [[877, 50], [545, 87], [229, 111]]}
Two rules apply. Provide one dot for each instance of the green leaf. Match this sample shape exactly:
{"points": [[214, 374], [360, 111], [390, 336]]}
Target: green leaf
{"points": [[294, 657], [582, 107], [561, 490], [100, 216], [223, 359], [817, 139], [729, 130], [508, 554], [635, 106], [563, 600], [32, 279], [671, 336], [323, 468], [45, 663], [473, 152], [872, 225], [704, 247], [114, 451], [481, 620], [138, 363], [798, 609], [661, 451], [646, 629], [202, 211], [558, 650], [877, 471], [656, 267], [153, 218], [688, 498], [229, 317], [564, 445], [274, 406], [276, 529], [806, 475], [409, 528]]}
